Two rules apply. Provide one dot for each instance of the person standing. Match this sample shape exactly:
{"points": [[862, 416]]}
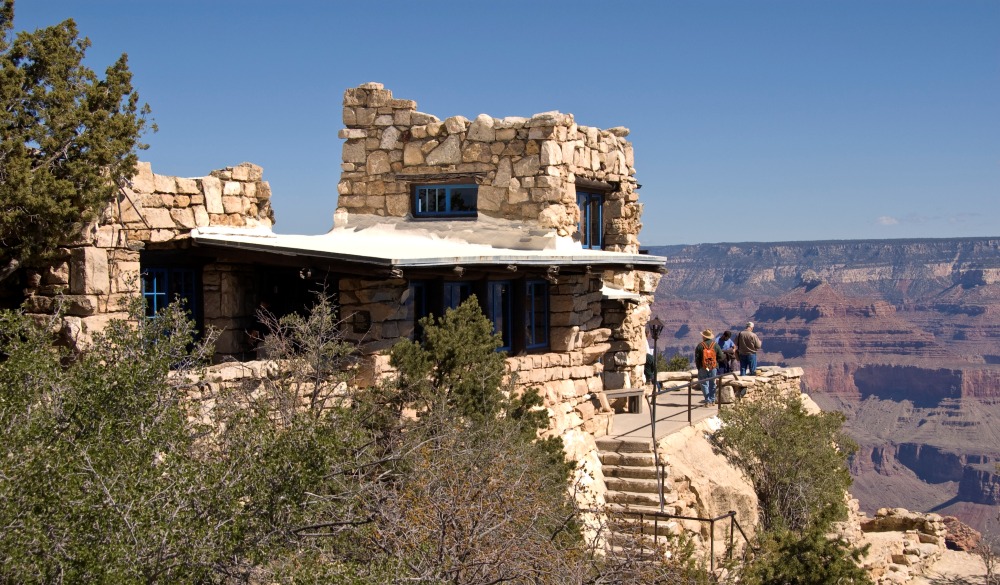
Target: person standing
{"points": [[747, 345], [706, 358], [649, 371], [728, 359]]}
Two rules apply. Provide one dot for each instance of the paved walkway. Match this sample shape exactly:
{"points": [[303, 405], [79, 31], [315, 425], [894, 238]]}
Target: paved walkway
{"points": [[671, 416]]}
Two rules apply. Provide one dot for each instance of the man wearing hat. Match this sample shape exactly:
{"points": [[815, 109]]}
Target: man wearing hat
{"points": [[747, 344], [706, 358]]}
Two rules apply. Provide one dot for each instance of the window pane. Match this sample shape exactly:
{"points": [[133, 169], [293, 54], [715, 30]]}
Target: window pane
{"points": [[154, 290], [456, 293], [500, 303], [440, 200], [536, 314], [591, 226], [594, 218], [463, 199]]}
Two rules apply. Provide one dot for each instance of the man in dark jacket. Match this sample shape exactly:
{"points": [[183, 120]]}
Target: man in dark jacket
{"points": [[706, 358]]}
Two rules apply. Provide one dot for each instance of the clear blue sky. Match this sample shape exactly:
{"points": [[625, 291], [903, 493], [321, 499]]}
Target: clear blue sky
{"points": [[751, 120]]}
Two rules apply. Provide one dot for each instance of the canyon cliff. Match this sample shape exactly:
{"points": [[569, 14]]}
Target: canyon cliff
{"points": [[903, 336]]}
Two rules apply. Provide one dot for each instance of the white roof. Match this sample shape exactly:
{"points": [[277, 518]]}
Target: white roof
{"points": [[402, 244]]}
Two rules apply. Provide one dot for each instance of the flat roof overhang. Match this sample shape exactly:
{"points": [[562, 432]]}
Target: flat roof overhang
{"points": [[406, 252]]}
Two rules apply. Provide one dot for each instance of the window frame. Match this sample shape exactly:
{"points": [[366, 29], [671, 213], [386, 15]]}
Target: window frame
{"points": [[511, 305], [419, 203], [588, 201], [169, 283]]}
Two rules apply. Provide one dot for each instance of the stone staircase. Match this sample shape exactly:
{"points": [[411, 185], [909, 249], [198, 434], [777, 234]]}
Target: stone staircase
{"points": [[629, 468]]}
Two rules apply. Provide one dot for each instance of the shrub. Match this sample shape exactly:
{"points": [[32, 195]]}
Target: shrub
{"points": [[796, 461]]}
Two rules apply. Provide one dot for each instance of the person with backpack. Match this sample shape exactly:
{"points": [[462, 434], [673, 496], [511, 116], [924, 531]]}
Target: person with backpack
{"points": [[747, 345], [706, 358]]}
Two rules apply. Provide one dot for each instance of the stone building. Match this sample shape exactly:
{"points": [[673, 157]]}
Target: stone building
{"points": [[537, 217]]}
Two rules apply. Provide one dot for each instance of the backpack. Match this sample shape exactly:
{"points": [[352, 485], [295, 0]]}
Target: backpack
{"points": [[708, 358]]}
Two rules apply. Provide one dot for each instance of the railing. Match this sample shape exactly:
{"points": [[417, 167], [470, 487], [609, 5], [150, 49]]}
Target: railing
{"points": [[734, 526], [651, 399]]}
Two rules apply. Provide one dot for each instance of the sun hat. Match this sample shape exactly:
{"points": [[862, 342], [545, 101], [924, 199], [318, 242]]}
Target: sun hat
{"points": [[707, 334]]}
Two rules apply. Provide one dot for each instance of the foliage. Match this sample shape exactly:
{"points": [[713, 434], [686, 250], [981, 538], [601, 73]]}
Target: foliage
{"points": [[116, 468], [455, 365], [795, 460], [68, 137], [312, 352], [678, 363], [787, 558], [988, 551], [109, 473]]}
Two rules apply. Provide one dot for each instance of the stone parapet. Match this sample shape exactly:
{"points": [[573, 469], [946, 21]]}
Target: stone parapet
{"points": [[97, 271], [526, 168], [769, 381]]}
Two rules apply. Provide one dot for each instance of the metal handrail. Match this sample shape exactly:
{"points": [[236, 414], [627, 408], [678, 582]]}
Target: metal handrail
{"points": [[733, 523], [651, 401]]}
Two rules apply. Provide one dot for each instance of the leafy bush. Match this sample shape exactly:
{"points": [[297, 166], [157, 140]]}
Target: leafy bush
{"points": [[678, 363], [796, 461], [788, 558]]}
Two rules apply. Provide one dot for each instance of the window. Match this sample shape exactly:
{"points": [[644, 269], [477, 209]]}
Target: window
{"points": [[499, 310], [456, 293], [536, 314], [518, 309], [445, 201], [162, 286], [591, 226]]}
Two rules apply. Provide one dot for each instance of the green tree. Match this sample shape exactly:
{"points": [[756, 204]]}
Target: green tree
{"points": [[67, 137], [787, 558], [678, 363], [455, 365], [796, 461]]}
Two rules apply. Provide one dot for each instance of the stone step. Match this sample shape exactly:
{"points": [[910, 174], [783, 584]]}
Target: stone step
{"points": [[614, 509], [650, 555], [646, 526], [632, 498], [631, 459], [632, 484], [625, 445], [629, 471]]}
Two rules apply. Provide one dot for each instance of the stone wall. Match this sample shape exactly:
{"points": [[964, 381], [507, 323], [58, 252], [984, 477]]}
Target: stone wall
{"points": [[769, 381], [98, 270], [526, 168], [904, 544]]}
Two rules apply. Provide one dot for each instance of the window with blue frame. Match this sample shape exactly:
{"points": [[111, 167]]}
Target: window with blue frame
{"points": [[164, 285], [518, 309], [499, 303], [536, 314], [445, 200], [456, 293], [591, 226]]}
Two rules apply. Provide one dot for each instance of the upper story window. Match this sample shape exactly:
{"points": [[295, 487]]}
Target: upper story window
{"points": [[591, 226], [445, 200]]}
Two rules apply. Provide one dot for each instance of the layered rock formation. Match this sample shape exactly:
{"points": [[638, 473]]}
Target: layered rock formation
{"points": [[901, 335]]}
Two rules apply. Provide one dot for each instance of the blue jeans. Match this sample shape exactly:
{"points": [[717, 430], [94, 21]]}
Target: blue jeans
{"points": [[748, 363], [707, 388]]}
